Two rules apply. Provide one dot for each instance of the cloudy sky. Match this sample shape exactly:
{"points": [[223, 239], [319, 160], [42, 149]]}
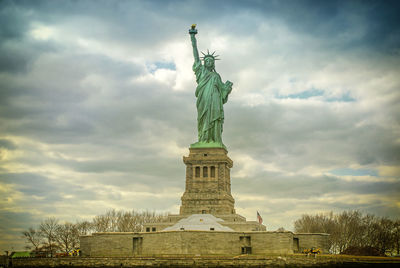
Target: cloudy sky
{"points": [[97, 107]]}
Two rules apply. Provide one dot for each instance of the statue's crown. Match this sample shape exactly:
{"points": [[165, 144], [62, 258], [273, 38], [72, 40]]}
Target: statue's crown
{"points": [[208, 55]]}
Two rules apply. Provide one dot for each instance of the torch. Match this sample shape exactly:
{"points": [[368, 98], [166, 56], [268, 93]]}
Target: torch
{"points": [[193, 29]]}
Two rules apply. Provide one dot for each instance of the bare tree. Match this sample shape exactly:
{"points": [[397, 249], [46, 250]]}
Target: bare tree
{"points": [[368, 230], [126, 222], [351, 229], [106, 222], [320, 223], [385, 238], [348, 229], [33, 237], [51, 235], [84, 227], [141, 218], [396, 236], [120, 221], [48, 229], [81, 228], [65, 236]]}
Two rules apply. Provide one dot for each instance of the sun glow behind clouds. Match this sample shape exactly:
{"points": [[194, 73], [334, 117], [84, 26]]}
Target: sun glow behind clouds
{"points": [[42, 32]]}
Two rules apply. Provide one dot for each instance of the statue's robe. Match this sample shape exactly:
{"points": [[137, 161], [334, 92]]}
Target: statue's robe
{"points": [[211, 94]]}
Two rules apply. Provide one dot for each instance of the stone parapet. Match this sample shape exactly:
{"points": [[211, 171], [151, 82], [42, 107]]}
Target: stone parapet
{"points": [[245, 226], [234, 221], [231, 217], [213, 261], [208, 154]]}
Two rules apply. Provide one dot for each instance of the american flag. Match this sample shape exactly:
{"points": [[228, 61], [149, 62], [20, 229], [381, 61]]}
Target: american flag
{"points": [[260, 220]]}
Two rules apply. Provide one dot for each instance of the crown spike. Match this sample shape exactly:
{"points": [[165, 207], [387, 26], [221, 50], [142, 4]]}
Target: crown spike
{"points": [[208, 52], [202, 53]]}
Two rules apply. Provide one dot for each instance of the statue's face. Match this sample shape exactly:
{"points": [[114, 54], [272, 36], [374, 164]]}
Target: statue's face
{"points": [[209, 62]]}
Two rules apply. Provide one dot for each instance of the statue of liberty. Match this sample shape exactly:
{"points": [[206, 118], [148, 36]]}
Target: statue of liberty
{"points": [[211, 94]]}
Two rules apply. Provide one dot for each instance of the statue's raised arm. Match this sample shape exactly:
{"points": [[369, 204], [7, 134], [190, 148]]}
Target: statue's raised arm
{"points": [[211, 94], [193, 32]]}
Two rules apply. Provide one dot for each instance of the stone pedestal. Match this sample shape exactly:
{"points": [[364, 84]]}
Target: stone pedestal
{"points": [[208, 183], [208, 191]]}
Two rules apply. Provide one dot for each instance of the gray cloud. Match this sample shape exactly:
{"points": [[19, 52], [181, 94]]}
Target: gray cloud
{"points": [[91, 116], [7, 144]]}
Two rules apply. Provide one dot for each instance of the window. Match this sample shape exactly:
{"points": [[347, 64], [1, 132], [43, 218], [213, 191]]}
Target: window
{"points": [[197, 172], [203, 212], [212, 229], [205, 172], [182, 229], [147, 229], [246, 250], [212, 172], [153, 229]]}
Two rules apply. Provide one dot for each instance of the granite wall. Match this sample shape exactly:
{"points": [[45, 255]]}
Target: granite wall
{"points": [[307, 241], [186, 242]]}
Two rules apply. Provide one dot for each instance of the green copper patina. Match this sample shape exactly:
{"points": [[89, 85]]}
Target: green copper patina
{"points": [[211, 95]]}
